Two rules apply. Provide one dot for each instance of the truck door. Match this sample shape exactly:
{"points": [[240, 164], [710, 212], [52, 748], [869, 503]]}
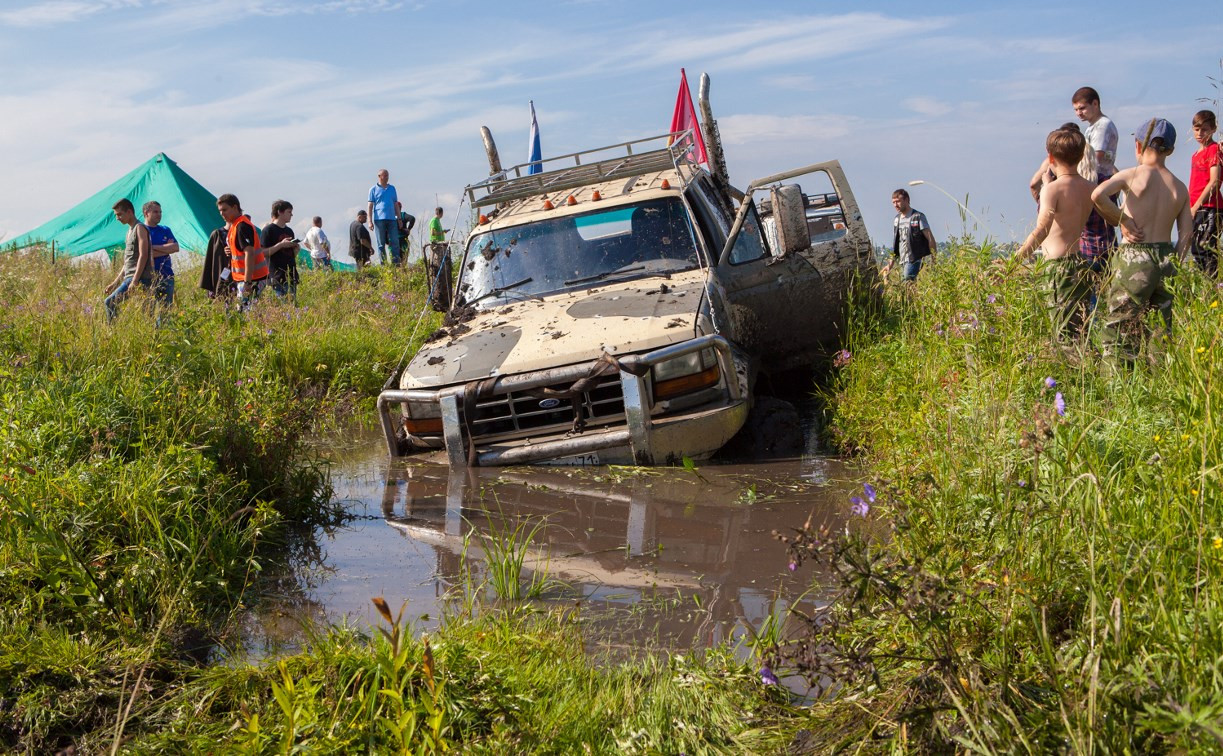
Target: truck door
{"points": [[788, 306]]}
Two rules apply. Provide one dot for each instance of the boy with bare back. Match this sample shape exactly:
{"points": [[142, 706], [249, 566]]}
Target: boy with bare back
{"points": [[1065, 204], [1154, 200]]}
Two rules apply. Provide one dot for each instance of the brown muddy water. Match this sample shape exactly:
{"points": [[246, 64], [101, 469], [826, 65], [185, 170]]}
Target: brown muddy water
{"points": [[655, 558]]}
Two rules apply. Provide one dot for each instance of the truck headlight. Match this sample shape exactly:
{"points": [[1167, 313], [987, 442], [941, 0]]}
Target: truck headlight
{"points": [[424, 419], [686, 374]]}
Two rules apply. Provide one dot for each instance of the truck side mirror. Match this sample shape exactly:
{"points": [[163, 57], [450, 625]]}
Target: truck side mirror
{"points": [[790, 215]]}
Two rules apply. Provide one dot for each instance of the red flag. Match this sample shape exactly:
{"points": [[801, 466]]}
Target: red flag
{"points": [[684, 117]]}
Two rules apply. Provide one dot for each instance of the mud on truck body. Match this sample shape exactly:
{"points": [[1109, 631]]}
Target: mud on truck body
{"points": [[618, 306]]}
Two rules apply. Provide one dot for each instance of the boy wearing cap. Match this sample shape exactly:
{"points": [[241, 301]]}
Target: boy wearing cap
{"points": [[1154, 200], [1065, 204]]}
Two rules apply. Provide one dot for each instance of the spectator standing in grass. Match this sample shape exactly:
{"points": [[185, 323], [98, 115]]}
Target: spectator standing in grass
{"points": [[319, 245], [1065, 204], [359, 245], [912, 240], [162, 244], [280, 245], [383, 216], [137, 263], [1207, 204], [1154, 201], [249, 264], [1099, 238]]}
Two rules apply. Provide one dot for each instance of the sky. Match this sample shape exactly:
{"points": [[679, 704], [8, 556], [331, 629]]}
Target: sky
{"points": [[306, 100]]}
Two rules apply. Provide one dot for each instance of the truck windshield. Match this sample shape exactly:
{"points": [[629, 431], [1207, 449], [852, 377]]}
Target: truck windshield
{"points": [[627, 241]]}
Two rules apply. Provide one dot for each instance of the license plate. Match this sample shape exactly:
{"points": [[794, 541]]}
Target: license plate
{"points": [[582, 460]]}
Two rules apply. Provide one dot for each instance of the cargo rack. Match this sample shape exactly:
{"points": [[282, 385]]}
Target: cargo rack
{"points": [[517, 183]]}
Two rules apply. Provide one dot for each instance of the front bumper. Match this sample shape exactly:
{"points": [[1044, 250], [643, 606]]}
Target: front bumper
{"points": [[641, 439]]}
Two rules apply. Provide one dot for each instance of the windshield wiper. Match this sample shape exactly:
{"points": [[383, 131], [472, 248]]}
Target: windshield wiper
{"points": [[605, 274], [502, 289]]}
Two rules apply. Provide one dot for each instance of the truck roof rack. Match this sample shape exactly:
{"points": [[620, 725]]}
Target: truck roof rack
{"points": [[570, 172]]}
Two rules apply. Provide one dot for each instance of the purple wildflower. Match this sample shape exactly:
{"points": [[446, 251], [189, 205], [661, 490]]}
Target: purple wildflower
{"points": [[767, 677], [842, 358], [1059, 404], [1050, 383], [1023, 484], [793, 566], [858, 506], [870, 492], [991, 299]]}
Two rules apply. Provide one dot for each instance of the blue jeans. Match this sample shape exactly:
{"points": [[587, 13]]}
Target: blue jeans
{"points": [[118, 295], [388, 234], [911, 270], [163, 290]]}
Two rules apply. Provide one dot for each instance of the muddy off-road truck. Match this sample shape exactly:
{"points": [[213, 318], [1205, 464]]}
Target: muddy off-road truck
{"points": [[619, 306]]}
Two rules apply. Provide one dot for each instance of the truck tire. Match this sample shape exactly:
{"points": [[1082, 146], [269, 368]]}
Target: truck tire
{"points": [[773, 429]]}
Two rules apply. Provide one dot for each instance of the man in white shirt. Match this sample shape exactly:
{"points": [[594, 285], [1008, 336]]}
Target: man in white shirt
{"points": [[1098, 238], [320, 247], [1101, 131]]}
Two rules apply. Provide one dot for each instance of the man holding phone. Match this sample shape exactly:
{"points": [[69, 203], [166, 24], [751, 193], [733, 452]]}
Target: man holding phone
{"points": [[281, 246]]}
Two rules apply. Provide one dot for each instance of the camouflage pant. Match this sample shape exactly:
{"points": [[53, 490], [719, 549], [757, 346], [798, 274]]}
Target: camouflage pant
{"points": [[1067, 289], [1136, 283]]}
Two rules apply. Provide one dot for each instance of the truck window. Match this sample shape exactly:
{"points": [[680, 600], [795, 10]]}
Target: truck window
{"points": [[750, 244], [572, 251], [825, 216]]}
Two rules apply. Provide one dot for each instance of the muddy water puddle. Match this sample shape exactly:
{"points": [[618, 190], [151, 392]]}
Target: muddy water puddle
{"points": [[661, 558]]}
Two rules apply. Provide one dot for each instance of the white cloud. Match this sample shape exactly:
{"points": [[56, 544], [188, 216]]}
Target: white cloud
{"points": [[927, 106], [58, 12], [749, 128]]}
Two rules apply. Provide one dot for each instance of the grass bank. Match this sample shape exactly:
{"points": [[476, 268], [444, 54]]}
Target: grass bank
{"points": [[147, 473], [1053, 577]]}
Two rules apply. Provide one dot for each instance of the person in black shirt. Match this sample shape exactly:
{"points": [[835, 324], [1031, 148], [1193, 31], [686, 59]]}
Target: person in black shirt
{"points": [[279, 245], [360, 246]]}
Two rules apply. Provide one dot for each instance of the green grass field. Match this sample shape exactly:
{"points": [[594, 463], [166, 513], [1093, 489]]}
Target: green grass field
{"points": [[1043, 571]]}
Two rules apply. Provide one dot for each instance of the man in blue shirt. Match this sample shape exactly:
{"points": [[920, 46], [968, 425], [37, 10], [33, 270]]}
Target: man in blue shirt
{"points": [[384, 215], [163, 244]]}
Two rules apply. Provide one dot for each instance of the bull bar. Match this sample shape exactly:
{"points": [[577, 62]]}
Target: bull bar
{"points": [[637, 435]]}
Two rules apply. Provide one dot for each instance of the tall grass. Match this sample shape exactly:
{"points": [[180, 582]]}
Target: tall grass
{"points": [[1052, 582], [146, 470]]}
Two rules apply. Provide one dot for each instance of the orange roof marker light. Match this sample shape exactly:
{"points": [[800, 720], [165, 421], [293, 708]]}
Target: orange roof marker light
{"points": [[595, 196], [483, 219], [572, 200], [547, 204], [666, 184]]}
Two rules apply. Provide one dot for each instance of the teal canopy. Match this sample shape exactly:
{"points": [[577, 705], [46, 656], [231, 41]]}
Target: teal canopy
{"points": [[188, 209]]}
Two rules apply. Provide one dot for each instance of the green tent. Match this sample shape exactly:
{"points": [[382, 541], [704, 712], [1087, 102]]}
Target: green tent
{"points": [[188, 209]]}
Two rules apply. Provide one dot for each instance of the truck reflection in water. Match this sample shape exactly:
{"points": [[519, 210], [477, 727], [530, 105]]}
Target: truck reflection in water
{"points": [[662, 557]]}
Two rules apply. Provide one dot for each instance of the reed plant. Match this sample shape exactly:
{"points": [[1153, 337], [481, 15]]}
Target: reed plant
{"points": [[1052, 574]]}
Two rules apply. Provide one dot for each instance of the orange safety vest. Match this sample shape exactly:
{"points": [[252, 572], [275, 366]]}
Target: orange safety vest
{"points": [[258, 262]]}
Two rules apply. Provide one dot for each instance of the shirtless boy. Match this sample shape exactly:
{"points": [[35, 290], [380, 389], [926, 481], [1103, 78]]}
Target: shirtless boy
{"points": [[1154, 200], [1064, 207]]}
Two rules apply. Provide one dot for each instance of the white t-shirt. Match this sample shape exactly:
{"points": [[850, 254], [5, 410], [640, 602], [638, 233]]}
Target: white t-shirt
{"points": [[316, 241], [1102, 136]]}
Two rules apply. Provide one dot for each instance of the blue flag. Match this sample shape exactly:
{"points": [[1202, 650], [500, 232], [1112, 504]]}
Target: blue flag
{"points": [[536, 154]]}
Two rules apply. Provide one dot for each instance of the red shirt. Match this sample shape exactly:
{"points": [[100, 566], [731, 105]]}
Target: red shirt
{"points": [[1199, 175]]}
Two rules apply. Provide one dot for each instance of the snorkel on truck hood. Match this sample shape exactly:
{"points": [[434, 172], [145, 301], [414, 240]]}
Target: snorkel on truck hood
{"points": [[560, 329]]}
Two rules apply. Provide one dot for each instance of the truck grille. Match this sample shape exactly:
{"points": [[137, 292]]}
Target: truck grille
{"points": [[517, 414]]}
